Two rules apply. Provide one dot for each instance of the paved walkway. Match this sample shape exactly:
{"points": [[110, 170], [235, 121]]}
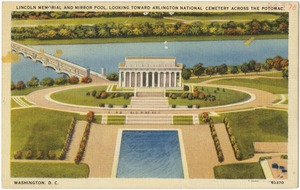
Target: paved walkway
{"points": [[42, 98]]}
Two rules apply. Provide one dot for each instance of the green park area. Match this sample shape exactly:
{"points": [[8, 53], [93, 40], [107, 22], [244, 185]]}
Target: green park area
{"points": [[49, 170], [183, 120], [275, 86], [260, 125], [222, 97], [79, 96], [239, 171], [13, 103], [116, 119], [39, 129]]}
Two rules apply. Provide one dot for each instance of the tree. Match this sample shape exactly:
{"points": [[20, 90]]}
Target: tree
{"points": [[12, 86], [222, 69], [20, 85], [251, 65], [210, 70], [61, 80], [245, 68], [285, 72], [268, 64], [198, 69], [34, 82], [234, 70], [74, 80], [113, 77], [48, 81], [186, 74], [257, 67]]}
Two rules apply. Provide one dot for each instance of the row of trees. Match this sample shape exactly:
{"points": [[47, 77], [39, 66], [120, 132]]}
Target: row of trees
{"points": [[82, 14], [278, 63], [111, 30], [48, 81]]}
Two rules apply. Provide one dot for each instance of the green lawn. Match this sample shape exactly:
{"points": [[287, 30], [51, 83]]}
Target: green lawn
{"points": [[116, 119], [275, 86], [24, 100], [78, 97], [271, 74], [239, 171], [260, 125], [49, 170], [39, 129], [222, 98], [183, 120], [114, 88], [14, 104], [149, 39], [26, 91], [88, 21]]}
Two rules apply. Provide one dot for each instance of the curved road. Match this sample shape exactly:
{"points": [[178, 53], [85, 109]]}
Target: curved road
{"points": [[39, 98]]}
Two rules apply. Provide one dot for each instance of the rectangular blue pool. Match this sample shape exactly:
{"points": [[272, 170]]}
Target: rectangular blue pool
{"points": [[150, 154]]}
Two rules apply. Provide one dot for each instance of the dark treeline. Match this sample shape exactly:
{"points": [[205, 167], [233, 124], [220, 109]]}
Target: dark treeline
{"points": [[87, 14], [112, 30]]}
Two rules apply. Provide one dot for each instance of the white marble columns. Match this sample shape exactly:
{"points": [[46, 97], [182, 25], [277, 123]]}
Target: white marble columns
{"points": [[134, 79]]}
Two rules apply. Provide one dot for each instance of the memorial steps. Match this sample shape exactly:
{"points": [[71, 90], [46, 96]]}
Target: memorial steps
{"points": [[149, 119], [149, 102]]}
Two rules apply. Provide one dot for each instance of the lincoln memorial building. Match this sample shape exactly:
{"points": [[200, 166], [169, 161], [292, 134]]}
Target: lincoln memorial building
{"points": [[150, 72]]}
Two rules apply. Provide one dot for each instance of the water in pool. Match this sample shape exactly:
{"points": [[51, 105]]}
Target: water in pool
{"points": [[150, 154]]}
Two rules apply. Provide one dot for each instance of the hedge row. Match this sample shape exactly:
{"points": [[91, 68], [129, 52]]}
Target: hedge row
{"points": [[83, 143], [103, 94], [39, 154], [238, 154], [216, 140], [65, 148]]}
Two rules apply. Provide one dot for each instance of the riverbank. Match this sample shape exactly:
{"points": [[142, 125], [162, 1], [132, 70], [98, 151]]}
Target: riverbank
{"points": [[149, 39]]}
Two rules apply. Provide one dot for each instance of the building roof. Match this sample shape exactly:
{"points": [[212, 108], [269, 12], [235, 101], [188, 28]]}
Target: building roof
{"points": [[149, 62]]}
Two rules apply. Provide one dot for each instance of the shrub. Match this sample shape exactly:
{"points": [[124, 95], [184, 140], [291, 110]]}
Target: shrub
{"points": [[215, 91], [220, 156], [186, 88], [190, 106], [12, 86], [20, 85], [201, 95], [183, 96], [238, 155], [39, 154], [225, 120], [74, 80], [102, 105], [169, 95], [110, 105], [131, 94], [90, 116], [94, 92], [86, 79], [125, 106], [190, 96], [284, 156], [126, 95], [205, 117], [112, 76], [229, 131], [223, 89], [88, 93], [202, 89], [51, 155], [117, 95], [173, 96], [232, 140], [28, 154], [18, 154], [98, 96], [218, 89], [173, 106], [48, 81], [103, 94], [198, 106], [196, 94], [61, 81]]}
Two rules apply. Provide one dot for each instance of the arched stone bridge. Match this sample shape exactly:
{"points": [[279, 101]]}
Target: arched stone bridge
{"points": [[59, 65]]}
